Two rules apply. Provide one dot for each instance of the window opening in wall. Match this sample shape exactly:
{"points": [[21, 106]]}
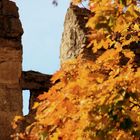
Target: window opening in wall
{"points": [[26, 97]]}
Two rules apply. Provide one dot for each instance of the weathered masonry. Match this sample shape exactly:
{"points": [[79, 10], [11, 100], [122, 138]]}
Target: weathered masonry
{"points": [[12, 79], [10, 66]]}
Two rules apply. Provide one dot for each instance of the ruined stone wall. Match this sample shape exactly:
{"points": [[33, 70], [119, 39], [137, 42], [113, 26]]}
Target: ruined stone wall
{"points": [[37, 83], [10, 66], [74, 35], [12, 79]]}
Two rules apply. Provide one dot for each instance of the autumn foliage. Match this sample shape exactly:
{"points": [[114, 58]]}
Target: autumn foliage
{"points": [[100, 99]]}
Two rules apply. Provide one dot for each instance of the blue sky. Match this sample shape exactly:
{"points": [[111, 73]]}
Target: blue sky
{"points": [[43, 26]]}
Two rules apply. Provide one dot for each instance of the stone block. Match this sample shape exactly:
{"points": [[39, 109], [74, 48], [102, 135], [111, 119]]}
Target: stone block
{"points": [[6, 43], [11, 100], [9, 9], [15, 28], [4, 26], [5, 125], [10, 63], [10, 54], [10, 73], [10, 106], [10, 27]]}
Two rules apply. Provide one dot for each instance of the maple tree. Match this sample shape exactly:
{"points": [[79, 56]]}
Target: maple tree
{"points": [[96, 100]]}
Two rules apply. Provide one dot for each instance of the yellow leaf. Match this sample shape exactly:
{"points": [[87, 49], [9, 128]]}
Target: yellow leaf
{"points": [[56, 76], [17, 118], [55, 136], [128, 53], [100, 79], [36, 104], [136, 27]]}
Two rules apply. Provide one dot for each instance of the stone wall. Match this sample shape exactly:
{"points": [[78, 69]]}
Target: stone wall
{"points": [[37, 83], [12, 79], [10, 66], [74, 35]]}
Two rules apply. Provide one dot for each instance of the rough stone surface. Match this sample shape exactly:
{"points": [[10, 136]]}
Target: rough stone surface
{"points": [[74, 35], [10, 67], [37, 83], [32, 80]]}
